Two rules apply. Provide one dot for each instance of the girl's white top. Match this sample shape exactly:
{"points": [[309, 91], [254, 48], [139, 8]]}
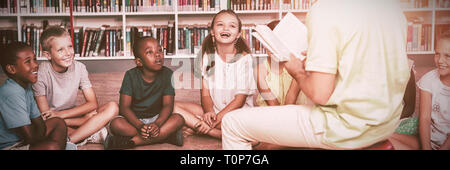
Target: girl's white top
{"points": [[230, 79]]}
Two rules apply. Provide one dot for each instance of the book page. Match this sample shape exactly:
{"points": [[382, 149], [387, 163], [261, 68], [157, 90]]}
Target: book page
{"points": [[288, 38], [272, 43], [293, 34]]}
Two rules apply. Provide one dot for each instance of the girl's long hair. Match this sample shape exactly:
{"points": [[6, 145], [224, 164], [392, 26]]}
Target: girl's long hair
{"points": [[209, 47]]}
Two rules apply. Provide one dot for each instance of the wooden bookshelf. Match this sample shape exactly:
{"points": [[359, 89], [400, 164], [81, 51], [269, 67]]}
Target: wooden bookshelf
{"points": [[183, 15]]}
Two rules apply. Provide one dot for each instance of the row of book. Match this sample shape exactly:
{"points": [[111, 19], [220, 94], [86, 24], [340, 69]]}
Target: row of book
{"points": [[419, 37], [149, 5], [8, 6], [109, 41], [443, 4], [97, 5], [7, 35], [254, 4], [255, 46], [416, 3], [165, 34], [198, 5], [297, 4], [59, 6], [92, 42], [62, 6], [31, 35], [190, 38]]}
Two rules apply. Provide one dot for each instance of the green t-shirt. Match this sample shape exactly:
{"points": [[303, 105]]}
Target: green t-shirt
{"points": [[147, 98]]}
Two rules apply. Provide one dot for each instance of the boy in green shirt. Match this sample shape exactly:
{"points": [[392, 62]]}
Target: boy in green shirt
{"points": [[146, 102]]}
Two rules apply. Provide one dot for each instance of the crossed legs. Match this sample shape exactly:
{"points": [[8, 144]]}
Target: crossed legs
{"points": [[120, 126], [56, 132], [192, 114], [91, 122]]}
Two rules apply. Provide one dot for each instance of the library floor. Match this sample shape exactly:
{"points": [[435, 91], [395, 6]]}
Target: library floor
{"points": [[192, 142]]}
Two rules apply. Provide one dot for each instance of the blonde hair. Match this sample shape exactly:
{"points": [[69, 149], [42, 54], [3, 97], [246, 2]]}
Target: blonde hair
{"points": [[49, 34]]}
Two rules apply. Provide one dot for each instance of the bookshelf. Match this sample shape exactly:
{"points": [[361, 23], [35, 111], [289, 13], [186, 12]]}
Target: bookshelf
{"points": [[426, 17]]}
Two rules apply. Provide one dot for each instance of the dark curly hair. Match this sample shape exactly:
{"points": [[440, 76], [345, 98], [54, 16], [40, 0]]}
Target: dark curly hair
{"points": [[9, 56]]}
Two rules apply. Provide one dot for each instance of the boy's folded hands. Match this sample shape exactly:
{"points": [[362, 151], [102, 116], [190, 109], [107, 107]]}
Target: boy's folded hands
{"points": [[150, 130]]}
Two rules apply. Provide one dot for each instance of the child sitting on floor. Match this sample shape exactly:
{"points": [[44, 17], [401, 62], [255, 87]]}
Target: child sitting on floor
{"points": [[146, 102], [57, 87], [21, 124], [227, 76], [434, 116]]}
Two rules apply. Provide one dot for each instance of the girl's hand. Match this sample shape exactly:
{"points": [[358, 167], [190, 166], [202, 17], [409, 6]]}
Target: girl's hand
{"points": [[210, 118], [49, 114], [202, 127]]}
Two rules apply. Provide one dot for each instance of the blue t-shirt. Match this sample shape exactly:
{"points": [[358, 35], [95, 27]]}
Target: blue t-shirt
{"points": [[17, 108], [147, 98]]}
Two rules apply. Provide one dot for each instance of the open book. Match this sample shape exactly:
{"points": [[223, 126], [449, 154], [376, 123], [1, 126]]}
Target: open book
{"points": [[288, 38]]}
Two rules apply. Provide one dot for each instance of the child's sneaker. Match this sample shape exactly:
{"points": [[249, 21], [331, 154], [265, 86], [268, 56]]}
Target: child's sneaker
{"points": [[98, 137], [118, 142], [176, 138]]}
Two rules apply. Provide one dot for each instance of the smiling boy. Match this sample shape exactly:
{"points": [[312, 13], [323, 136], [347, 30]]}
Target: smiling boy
{"points": [[21, 124], [57, 88]]}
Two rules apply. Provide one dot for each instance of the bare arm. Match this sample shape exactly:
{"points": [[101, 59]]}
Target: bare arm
{"points": [[90, 105], [166, 111], [236, 103], [125, 111], [292, 93], [260, 76], [425, 119], [42, 103], [33, 133], [316, 85], [206, 101]]}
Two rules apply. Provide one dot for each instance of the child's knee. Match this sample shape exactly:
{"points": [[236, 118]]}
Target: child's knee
{"points": [[115, 122], [178, 117], [53, 146], [57, 122], [113, 108]]}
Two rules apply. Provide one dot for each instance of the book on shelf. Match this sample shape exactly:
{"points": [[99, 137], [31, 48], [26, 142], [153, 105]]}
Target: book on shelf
{"points": [[8, 35], [288, 38], [99, 41], [96, 42], [419, 35], [8, 6], [416, 3], [443, 3], [254, 45], [198, 5], [297, 4], [61, 6], [253, 4], [190, 38], [97, 5], [31, 35], [148, 5], [161, 33]]}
